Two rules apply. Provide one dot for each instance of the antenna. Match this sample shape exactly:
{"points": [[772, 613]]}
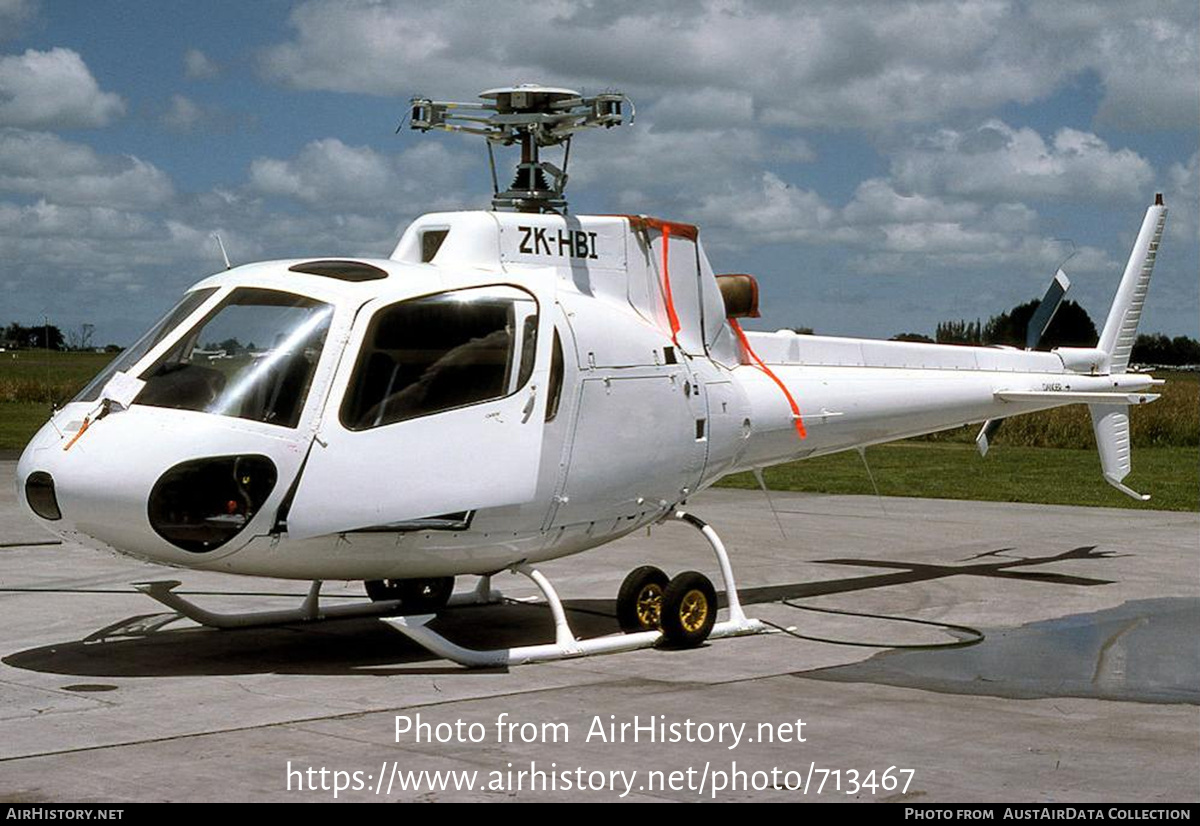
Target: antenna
{"points": [[533, 116], [224, 255]]}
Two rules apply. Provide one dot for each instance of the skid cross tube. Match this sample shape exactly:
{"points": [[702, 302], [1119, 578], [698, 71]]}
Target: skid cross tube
{"points": [[565, 645]]}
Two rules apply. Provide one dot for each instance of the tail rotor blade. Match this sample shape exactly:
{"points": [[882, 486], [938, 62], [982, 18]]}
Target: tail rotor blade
{"points": [[1039, 322], [1044, 314]]}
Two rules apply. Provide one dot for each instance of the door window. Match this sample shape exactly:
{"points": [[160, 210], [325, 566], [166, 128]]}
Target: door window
{"points": [[441, 352]]}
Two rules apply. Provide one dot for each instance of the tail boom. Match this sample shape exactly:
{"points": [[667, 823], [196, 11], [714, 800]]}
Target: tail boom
{"points": [[858, 392]]}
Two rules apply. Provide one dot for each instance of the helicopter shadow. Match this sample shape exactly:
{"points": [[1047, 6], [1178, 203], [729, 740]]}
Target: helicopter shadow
{"points": [[143, 645], [909, 572]]}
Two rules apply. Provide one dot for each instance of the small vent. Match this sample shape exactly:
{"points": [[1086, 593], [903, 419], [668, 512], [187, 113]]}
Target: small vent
{"points": [[431, 242], [341, 270]]}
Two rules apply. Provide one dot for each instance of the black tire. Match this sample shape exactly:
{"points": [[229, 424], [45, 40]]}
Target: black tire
{"points": [[639, 602], [425, 596], [417, 596], [689, 610], [383, 590]]}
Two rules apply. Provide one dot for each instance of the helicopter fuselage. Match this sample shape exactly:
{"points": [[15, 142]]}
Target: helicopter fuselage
{"points": [[505, 388]]}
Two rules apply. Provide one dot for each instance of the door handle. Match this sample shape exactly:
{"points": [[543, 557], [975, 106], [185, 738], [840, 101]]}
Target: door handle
{"points": [[528, 411]]}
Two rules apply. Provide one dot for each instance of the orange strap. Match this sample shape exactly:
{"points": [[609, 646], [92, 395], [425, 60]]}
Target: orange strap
{"points": [[671, 315], [82, 429], [737, 328]]}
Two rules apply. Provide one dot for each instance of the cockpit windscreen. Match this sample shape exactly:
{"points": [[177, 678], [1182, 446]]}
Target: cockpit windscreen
{"points": [[252, 357]]}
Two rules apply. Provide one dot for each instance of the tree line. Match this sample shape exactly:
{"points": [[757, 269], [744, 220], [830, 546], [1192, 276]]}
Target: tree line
{"points": [[34, 337], [1071, 327], [48, 337]]}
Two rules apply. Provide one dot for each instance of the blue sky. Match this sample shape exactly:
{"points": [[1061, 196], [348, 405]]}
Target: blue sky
{"points": [[880, 166]]}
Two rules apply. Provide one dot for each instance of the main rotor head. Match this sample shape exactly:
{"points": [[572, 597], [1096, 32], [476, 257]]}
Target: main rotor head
{"points": [[533, 116]]}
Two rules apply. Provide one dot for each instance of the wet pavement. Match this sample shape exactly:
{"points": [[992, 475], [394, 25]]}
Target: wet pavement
{"points": [[1145, 651]]}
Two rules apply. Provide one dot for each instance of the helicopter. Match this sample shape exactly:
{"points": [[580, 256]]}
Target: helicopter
{"points": [[508, 387]]}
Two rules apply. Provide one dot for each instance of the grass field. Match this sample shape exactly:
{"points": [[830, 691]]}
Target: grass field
{"points": [[32, 381], [1171, 475], [1172, 421], [39, 376], [1045, 457]]}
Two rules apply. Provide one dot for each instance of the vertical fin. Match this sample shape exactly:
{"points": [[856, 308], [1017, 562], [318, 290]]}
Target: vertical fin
{"points": [[1111, 426], [1120, 330]]}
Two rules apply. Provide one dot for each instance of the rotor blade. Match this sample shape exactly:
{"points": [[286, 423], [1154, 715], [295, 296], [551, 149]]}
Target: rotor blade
{"points": [[1045, 311], [986, 434], [1038, 324]]}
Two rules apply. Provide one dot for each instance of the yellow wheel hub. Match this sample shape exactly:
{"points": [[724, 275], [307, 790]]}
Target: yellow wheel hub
{"points": [[649, 606], [693, 611]]}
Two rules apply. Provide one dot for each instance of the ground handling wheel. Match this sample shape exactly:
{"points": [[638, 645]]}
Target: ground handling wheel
{"points": [[639, 602], [689, 610]]}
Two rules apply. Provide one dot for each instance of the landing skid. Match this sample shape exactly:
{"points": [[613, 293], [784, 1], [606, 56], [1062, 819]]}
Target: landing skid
{"points": [[309, 611], [565, 645]]}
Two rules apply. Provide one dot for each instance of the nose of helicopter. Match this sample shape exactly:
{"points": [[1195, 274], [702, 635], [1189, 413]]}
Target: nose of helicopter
{"points": [[145, 486], [35, 484]]}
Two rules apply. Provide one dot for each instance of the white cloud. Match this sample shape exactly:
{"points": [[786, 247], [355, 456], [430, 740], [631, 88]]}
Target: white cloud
{"points": [[14, 14], [684, 163], [997, 161], [326, 170], [887, 233], [705, 109], [46, 166], [1029, 260], [47, 220], [330, 174], [388, 49], [819, 64], [877, 202], [183, 115], [1145, 52], [1151, 80], [198, 66], [41, 165], [770, 211], [721, 89], [1183, 201], [53, 90]]}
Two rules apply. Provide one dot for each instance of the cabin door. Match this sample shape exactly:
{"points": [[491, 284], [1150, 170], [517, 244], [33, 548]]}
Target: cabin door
{"points": [[438, 408]]}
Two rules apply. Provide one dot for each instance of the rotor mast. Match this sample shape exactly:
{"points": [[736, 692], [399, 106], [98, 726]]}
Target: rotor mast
{"points": [[534, 117]]}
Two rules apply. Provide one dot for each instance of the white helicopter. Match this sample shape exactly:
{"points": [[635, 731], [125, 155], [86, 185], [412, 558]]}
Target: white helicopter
{"points": [[508, 387]]}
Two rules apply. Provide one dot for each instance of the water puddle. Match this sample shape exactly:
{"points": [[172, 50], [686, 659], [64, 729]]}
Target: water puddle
{"points": [[1144, 651]]}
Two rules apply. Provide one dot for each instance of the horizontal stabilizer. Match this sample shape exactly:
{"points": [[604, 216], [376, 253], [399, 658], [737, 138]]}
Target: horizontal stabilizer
{"points": [[1067, 397]]}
